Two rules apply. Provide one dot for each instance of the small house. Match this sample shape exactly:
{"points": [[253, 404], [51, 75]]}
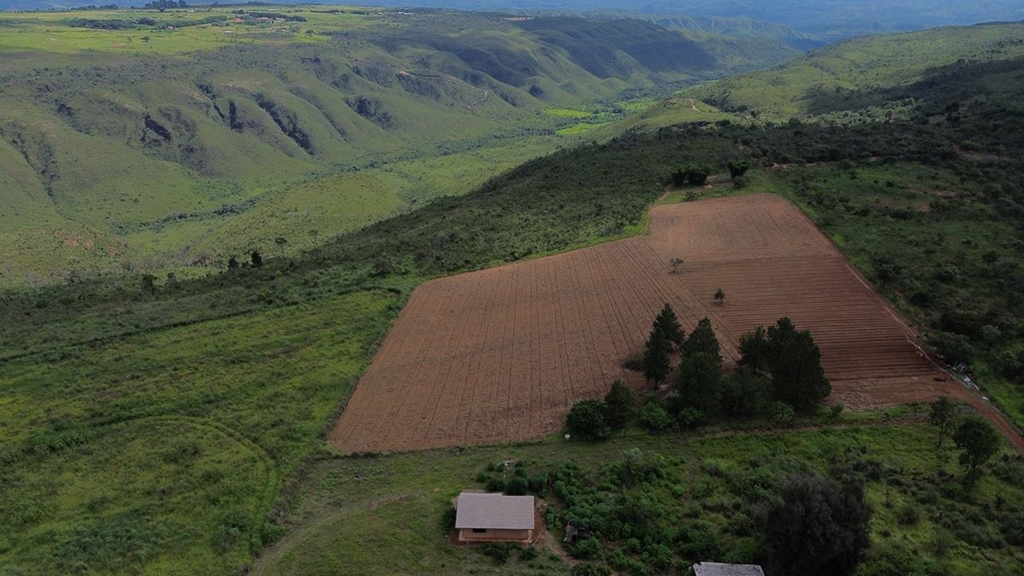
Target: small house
{"points": [[716, 569], [485, 517]]}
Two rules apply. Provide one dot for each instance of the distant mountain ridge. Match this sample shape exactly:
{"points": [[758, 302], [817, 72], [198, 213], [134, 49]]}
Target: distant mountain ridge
{"points": [[825, 20]]}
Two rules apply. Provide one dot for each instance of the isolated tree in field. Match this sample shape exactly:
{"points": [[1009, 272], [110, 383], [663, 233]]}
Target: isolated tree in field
{"points": [[256, 259], [588, 420], [797, 375], [668, 323], [703, 340], [817, 527], [720, 297], [978, 441], [656, 361], [699, 381], [943, 416], [675, 262], [620, 405], [754, 350]]}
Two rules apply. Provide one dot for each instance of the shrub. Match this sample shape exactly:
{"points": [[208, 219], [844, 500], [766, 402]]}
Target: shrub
{"points": [[517, 486], [697, 541], [527, 553], [781, 415], [691, 417], [655, 417], [588, 420], [448, 519], [495, 484], [539, 483], [908, 515], [893, 559], [589, 569], [587, 548], [498, 551]]}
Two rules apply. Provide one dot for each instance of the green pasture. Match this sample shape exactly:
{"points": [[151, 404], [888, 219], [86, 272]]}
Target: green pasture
{"points": [[164, 452], [171, 32]]}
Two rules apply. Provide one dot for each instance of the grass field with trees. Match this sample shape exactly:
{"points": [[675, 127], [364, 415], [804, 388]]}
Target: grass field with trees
{"points": [[244, 370]]}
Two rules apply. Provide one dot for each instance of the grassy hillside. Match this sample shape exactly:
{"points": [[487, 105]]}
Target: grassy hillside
{"points": [[174, 140], [171, 462], [796, 88]]}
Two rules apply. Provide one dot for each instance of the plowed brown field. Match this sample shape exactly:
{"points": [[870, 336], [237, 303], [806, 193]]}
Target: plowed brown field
{"points": [[500, 355]]}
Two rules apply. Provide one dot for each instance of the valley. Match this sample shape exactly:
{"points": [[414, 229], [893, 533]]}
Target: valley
{"points": [[441, 276], [170, 142]]}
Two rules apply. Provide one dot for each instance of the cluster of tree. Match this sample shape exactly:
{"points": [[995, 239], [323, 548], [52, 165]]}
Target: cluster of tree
{"points": [[110, 24], [693, 174], [791, 359], [781, 364], [255, 261], [162, 5], [780, 374]]}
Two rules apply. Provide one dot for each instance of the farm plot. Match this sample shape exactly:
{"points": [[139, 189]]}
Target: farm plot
{"points": [[501, 354]]}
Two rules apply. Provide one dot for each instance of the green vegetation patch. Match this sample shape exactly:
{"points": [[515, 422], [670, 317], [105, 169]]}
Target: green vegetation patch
{"points": [[386, 512], [165, 451]]}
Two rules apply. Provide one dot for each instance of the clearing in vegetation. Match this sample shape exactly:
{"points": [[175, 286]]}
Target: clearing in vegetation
{"points": [[501, 354]]}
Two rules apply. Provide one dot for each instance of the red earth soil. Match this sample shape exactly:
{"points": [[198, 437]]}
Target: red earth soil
{"points": [[500, 355]]}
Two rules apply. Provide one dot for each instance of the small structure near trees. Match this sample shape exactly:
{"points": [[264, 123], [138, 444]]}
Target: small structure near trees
{"points": [[489, 517], [716, 569]]}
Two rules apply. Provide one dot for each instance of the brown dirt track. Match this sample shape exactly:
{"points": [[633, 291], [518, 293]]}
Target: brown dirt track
{"points": [[501, 354]]}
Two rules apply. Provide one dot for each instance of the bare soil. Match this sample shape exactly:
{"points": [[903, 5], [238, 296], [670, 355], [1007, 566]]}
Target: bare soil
{"points": [[500, 355]]}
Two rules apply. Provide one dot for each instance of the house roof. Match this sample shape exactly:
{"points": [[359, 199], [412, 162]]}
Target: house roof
{"points": [[494, 511], [716, 569]]}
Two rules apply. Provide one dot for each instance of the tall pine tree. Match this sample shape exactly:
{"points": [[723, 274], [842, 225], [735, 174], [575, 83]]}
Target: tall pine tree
{"points": [[668, 324], [656, 360], [703, 341], [797, 375]]}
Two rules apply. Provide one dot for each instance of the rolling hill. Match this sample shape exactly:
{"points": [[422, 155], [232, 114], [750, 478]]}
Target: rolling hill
{"points": [[175, 140], [177, 426]]}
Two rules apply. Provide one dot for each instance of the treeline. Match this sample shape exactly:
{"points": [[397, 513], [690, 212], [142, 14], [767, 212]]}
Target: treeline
{"points": [[779, 375]]}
